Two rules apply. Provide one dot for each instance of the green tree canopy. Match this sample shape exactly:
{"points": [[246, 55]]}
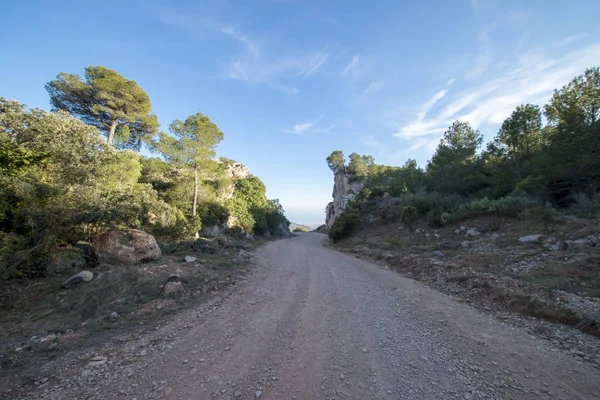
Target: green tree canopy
{"points": [[521, 134], [576, 104], [573, 115], [454, 162], [336, 160], [361, 165], [118, 107], [192, 145], [60, 182]]}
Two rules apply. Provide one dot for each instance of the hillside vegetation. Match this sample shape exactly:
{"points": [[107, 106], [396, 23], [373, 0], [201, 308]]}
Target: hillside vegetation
{"points": [[61, 182], [511, 223], [74, 196], [529, 170]]}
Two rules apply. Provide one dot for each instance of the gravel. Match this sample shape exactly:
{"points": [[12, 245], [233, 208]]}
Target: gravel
{"points": [[312, 323]]}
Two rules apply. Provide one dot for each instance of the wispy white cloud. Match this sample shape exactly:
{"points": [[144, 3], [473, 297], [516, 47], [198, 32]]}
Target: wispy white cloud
{"points": [[523, 39], [427, 143], [289, 89], [254, 64], [305, 127], [233, 33], [420, 126], [530, 80], [483, 59], [276, 71], [299, 128], [315, 63], [326, 129], [373, 87], [351, 65], [572, 39], [369, 141]]}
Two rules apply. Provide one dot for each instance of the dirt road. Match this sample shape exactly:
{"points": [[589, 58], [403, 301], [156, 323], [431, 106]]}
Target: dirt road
{"points": [[311, 323]]}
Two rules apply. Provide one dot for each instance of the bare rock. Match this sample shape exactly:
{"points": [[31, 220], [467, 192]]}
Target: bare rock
{"points": [[530, 238], [211, 231], [129, 246], [97, 361], [472, 233], [579, 243], [83, 276], [189, 259], [50, 338], [174, 287], [346, 186]]}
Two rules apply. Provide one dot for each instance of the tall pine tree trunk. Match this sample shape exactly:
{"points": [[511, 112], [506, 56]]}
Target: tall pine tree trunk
{"points": [[111, 133], [194, 202]]}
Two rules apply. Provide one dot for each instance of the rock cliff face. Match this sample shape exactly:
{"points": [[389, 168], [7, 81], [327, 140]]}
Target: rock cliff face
{"points": [[345, 187], [237, 171]]}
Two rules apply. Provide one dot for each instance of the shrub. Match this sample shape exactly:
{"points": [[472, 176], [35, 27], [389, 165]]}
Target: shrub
{"points": [[344, 225], [505, 207], [436, 217], [238, 209], [409, 216], [424, 202], [584, 207], [545, 214], [212, 213], [260, 221]]}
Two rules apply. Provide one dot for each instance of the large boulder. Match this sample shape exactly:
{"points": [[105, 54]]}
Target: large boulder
{"points": [[283, 230], [126, 247]]}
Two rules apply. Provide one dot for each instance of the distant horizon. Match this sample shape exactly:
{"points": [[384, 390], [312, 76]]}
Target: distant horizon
{"points": [[384, 79]]}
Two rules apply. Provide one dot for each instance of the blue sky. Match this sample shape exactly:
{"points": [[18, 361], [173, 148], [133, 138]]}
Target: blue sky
{"points": [[289, 81]]}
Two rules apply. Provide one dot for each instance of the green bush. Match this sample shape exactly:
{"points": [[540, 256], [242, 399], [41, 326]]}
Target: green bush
{"points": [[212, 213], [344, 225], [260, 220], [409, 216], [505, 207], [436, 217], [545, 214], [238, 209], [585, 207], [275, 217], [425, 202]]}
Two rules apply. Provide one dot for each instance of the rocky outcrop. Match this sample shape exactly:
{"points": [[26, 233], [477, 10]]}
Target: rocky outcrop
{"points": [[345, 187], [322, 229], [126, 247], [237, 170], [283, 230]]}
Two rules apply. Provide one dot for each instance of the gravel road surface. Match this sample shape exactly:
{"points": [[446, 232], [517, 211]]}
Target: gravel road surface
{"points": [[312, 323]]}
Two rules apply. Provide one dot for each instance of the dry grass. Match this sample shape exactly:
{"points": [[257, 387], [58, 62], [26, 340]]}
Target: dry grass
{"points": [[484, 272], [43, 307]]}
